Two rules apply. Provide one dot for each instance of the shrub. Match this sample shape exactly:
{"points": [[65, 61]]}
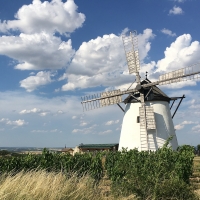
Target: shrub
{"points": [[151, 175]]}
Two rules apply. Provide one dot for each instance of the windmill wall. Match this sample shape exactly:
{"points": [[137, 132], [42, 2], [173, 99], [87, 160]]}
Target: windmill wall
{"points": [[130, 133]]}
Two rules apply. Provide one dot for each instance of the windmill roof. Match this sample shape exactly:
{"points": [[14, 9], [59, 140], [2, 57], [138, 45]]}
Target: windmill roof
{"points": [[156, 94]]}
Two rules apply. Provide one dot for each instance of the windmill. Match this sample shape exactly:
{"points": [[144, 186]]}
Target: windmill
{"points": [[147, 121]]}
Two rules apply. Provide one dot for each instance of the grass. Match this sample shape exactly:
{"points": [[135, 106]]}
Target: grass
{"points": [[41, 185], [195, 179]]}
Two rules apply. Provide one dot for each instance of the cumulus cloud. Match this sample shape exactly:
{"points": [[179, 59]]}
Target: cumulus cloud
{"points": [[53, 16], [37, 51], [181, 53], [176, 11], [168, 32], [37, 47], [16, 123], [32, 82], [101, 61]]}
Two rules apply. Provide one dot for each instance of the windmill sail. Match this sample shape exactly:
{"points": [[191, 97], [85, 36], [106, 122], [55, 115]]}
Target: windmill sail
{"points": [[184, 74], [143, 125], [110, 100], [94, 101], [131, 51], [151, 124]]}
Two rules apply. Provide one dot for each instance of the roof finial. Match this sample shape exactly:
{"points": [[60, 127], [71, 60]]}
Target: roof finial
{"points": [[146, 74]]}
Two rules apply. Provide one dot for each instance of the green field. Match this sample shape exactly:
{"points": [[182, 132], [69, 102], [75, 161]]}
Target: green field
{"points": [[161, 175]]}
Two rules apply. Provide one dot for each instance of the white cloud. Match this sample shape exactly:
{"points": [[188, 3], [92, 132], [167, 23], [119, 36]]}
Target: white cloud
{"points": [[74, 117], [182, 125], [60, 112], [19, 122], [16, 123], [39, 131], [179, 127], [40, 112], [180, 54], [196, 128], [168, 32], [83, 123], [176, 11], [195, 104], [43, 114], [101, 61], [87, 130], [124, 31], [53, 16], [33, 82], [188, 122], [112, 122], [37, 51], [34, 110], [105, 132], [47, 131], [55, 131], [179, 1], [16, 101]]}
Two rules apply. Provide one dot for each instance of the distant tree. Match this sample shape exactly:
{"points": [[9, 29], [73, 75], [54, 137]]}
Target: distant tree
{"points": [[4, 152]]}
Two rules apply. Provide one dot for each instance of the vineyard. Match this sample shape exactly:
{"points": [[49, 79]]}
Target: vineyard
{"points": [[164, 174]]}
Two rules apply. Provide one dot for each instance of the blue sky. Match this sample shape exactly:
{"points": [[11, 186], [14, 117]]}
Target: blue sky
{"points": [[54, 52]]}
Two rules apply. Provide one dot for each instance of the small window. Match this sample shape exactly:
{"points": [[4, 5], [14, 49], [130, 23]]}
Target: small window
{"points": [[138, 119]]}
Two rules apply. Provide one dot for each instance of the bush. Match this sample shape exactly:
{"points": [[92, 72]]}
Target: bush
{"points": [[4, 152], [80, 164], [161, 174]]}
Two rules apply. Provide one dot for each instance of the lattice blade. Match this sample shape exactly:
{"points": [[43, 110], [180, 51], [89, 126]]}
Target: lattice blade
{"points": [[100, 100], [110, 100], [131, 50], [147, 117], [90, 102], [151, 124], [184, 74], [143, 128]]}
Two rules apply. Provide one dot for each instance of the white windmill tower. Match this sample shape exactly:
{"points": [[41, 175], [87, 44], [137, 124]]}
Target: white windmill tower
{"points": [[147, 121]]}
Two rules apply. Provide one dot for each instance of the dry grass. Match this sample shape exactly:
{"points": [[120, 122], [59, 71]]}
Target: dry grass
{"points": [[195, 179], [41, 185]]}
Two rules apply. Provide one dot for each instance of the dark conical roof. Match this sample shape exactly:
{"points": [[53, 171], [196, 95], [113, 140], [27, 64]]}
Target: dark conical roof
{"points": [[155, 94]]}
